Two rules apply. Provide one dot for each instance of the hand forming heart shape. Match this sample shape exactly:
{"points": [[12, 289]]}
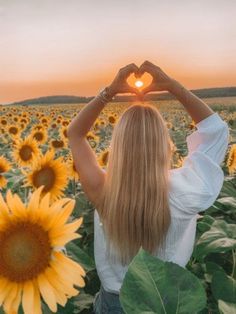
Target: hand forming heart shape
{"points": [[147, 71]]}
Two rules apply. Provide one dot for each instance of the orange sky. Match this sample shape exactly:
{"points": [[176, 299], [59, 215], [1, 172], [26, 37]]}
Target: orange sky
{"points": [[77, 47]]}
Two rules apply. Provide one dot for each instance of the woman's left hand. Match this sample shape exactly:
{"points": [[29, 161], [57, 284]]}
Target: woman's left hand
{"points": [[120, 85]]}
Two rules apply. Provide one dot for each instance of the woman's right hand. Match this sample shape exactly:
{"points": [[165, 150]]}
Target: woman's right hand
{"points": [[161, 81]]}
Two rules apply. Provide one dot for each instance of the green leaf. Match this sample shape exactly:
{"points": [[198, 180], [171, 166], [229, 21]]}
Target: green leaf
{"points": [[226, 307], [229, 201], [205, 223], [77, 254], [223, 287], [220, 238], [212, 267], [154, 286]]}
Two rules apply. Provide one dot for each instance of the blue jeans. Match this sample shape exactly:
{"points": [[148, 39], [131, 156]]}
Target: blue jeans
{"points": [[106, 303]]}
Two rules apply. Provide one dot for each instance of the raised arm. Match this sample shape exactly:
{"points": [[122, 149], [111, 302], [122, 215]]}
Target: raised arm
{"points": [[91, 175], [197, 109]]}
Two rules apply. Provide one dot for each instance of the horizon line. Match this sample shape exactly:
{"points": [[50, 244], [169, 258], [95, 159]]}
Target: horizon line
{"points": [[121, 94]]}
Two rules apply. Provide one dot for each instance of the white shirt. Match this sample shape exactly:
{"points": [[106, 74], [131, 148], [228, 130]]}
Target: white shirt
{"points": [[194, 187]]}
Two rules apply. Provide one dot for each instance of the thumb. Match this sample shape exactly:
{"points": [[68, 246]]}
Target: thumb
{"points": [[148, 89], [135, 91]]}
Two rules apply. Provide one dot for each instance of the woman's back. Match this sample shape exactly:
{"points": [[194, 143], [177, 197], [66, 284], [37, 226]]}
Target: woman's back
{"points": [[193, 188]]}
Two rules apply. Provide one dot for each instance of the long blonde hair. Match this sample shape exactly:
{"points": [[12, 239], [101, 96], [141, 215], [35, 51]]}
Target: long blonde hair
{"points": [[134, 204]]}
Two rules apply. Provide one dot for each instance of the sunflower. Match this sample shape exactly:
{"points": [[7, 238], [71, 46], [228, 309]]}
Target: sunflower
{"points": [[50, 172], [103, 158], [4, 167], [13, 130], [37, 127], [63, 133], [179, 162], [31, 261], [3, 121], [25, 151], [57, 144], [45, 120], [112, 119], [93, 139], [231, 161], [73, 174], [40, 136]]}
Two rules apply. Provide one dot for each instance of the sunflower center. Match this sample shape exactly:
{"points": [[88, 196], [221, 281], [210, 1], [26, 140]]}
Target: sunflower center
{"points": [[38, 136], [13, 130], [45, 176], [1, 170], [25, 152], [57, 144], [105, 157], [25, 251]]}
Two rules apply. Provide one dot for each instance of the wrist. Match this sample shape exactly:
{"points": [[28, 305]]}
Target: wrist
{"points": [[174, 86], [106, 95], [111, 90]]}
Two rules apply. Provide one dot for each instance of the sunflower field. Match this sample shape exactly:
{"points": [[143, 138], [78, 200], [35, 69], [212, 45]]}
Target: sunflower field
{"points": [[46, 221]]}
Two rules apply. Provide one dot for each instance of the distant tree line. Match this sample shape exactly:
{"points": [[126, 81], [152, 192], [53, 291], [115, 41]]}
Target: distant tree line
{"points": [[65, 99]]}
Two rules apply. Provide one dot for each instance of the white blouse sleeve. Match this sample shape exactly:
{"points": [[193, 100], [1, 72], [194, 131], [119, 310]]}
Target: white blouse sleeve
{"points": [[199, 181]]}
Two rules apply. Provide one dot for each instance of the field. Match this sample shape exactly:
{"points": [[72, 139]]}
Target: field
{"points": [[34, 152]]}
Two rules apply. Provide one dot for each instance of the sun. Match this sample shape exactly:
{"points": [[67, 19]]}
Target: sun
{"points": [[138, 83]]}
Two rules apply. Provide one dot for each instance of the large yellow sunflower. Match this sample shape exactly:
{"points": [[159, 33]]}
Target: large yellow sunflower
{"points": [[50, 172], [25, 151], [32, 264]]}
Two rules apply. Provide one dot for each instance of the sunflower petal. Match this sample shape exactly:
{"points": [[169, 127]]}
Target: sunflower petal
{"points": [[28, 297], [70, 263], [37, 299], [12, 293], [16, 302], [64, 238], [59, 290], [5, 288], [71, 271], [71, 227], [47, 292], [4, 208], [17, 207], [34, 200], [67, 279], [61, 218]]}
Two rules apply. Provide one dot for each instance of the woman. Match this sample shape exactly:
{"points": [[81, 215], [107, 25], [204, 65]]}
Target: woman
{"points": [[140, 200]]}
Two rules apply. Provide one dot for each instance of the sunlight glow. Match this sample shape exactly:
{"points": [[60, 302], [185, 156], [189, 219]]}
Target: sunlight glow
{"points": [[138, 83]]}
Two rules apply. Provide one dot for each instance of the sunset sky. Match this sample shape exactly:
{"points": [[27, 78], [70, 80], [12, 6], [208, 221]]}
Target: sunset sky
{"points": [[74, 47]]}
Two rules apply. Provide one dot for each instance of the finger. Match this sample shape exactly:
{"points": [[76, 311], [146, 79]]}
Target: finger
{"points": [[148, 89], [132, 90], [130, 68], [146, 66]]}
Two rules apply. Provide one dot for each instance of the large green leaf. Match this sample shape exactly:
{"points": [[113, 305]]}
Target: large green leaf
{"points": [[220, 238], [223, 287], [154, 286]]}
